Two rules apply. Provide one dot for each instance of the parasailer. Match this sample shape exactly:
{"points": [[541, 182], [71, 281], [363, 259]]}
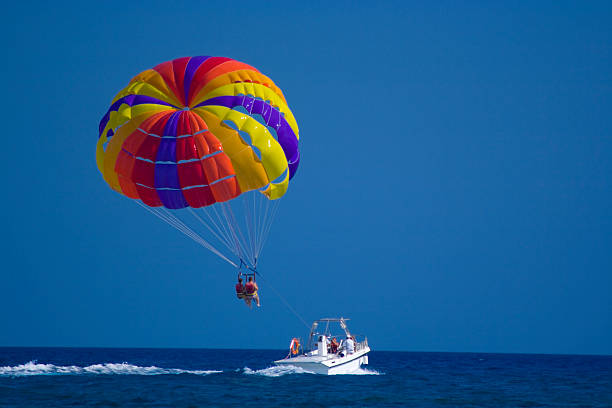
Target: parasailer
{"points": [[208, 145], [250, 290], [240, 290]]}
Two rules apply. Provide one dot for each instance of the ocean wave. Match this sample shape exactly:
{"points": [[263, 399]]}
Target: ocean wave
{"points": [[276, 371], [34, 368]]}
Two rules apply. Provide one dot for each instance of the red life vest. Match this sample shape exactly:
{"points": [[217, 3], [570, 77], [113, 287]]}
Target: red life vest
{"points": [[250, 288], [239, 288]]}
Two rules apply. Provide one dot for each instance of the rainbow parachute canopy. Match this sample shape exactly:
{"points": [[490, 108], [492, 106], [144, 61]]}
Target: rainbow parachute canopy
{"points": [[198, 130]]}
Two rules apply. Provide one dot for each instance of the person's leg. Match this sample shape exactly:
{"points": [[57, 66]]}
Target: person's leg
{"points": [[257, 299]]}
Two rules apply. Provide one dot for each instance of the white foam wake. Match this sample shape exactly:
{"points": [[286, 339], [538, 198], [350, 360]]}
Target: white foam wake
{"points": [[33, 368], [363, 371], [277, 371]]}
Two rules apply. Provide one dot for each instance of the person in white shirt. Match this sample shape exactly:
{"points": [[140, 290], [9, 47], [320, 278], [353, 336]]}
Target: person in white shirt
{"points": [[350, 345]]}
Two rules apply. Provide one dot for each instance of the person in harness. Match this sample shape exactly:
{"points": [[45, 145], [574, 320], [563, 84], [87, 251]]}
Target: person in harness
{"points": [[251, 292], [240, 289]]}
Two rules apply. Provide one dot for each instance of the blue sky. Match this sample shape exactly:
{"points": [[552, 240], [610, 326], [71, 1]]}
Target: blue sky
{"points": [[454, 192]]}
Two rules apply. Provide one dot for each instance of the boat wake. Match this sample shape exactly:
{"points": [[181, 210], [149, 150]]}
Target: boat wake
{"points": [[276, 371], [363, 371], [34, 368]]}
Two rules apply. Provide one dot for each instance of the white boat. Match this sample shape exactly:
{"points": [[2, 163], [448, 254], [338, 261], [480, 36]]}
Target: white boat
{"points": [[324, 357]]}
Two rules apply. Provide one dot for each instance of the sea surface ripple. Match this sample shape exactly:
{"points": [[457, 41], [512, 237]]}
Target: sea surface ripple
{"points": [[67, 377]]}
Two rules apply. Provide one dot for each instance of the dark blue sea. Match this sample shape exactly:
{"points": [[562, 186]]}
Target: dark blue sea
{"points": [[100, 377]]}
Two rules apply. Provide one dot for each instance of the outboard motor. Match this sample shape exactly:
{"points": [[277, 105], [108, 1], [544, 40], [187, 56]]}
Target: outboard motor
{"points": [[322, 346]]}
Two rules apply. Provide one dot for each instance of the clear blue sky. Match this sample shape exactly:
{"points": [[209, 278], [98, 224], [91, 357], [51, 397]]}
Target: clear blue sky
{"points": [[456, 190]]}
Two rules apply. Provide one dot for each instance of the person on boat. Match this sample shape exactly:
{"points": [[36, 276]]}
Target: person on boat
{"points": [[240, 289], [334, 346], [251, 291], [349, 343]]}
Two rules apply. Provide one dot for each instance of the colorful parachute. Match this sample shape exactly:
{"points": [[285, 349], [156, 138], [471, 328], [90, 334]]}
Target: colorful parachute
{"points": [[198, 133]]}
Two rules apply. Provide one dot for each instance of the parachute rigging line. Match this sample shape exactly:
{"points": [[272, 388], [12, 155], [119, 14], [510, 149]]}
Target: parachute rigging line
{"points": [[170, 219], [239, 229]]}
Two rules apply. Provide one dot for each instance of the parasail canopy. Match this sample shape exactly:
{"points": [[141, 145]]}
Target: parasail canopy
{"points": [[203, 133]]}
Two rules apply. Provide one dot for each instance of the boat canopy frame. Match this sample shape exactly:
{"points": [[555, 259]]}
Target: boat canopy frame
{"points": [[315, 331]]}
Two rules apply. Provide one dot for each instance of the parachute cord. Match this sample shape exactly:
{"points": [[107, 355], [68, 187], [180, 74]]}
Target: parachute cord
{"points": [[263, 222], [236, 230], [283, 299], [180, 226], [220, 238], [222, 226], [247, 250], [231, 223], [249, 224], [268, 227]]}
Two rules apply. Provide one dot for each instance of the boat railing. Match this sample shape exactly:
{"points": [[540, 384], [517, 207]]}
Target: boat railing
{"points": [[361, 345]]}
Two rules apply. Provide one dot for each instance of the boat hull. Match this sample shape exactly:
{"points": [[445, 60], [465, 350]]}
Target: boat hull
{"points": [[329, 366]]}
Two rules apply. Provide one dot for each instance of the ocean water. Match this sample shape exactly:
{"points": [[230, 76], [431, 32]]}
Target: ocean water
{"points": [[100, 377]]}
